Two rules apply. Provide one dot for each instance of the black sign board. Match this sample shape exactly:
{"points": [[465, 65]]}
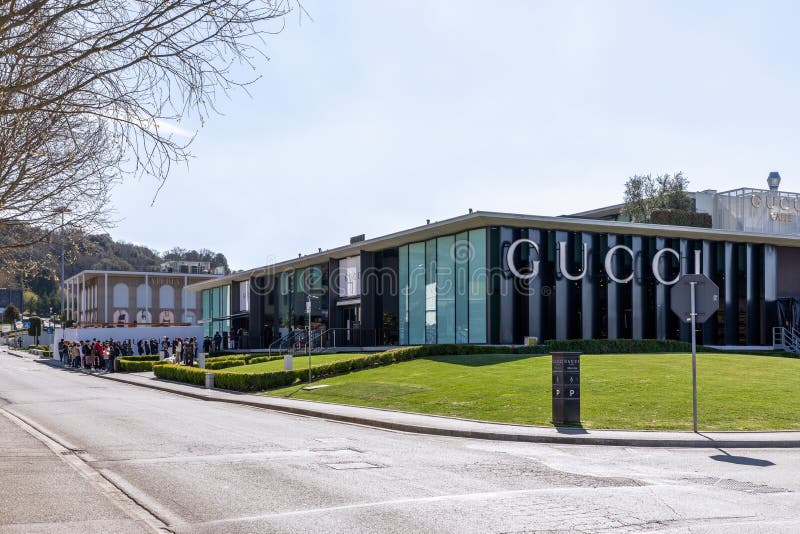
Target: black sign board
{"points": [[566, 388]]}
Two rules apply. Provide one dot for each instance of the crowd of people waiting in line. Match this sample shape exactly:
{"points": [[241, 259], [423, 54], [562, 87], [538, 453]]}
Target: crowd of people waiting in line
{"points": [[96, 354]]}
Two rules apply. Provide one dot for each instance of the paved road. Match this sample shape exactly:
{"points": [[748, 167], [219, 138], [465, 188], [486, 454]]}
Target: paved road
{"points": [[211, 467]]}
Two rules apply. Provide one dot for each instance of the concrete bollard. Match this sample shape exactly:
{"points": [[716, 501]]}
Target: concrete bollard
{"points": [[209, 380], [288, 362]]}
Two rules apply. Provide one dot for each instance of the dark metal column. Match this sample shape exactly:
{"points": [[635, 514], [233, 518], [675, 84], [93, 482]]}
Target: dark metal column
{"points": [[770, 287], [752, 319], [637, 290], [563, 302], [507, 290], [613, 289], [589, 284], [662, 305], [731, 295], [535, 289], [709, 259]]}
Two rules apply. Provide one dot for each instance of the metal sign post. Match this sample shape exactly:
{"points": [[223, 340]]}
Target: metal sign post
{"points": [[693, 289], [694, 298], [308, 341]]}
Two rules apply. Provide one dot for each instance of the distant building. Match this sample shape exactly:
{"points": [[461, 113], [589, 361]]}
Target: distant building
{"points": [[190, 267], [130, 297], [10, 296]]}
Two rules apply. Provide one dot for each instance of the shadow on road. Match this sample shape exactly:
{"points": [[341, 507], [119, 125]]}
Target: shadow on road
{"points": [[740, 460]]}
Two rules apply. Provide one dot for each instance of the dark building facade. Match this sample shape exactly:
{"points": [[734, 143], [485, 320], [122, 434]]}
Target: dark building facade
{"points": [[499, 278]]}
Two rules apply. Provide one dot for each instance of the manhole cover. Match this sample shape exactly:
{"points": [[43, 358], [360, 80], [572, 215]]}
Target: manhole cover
{"points": [[352, 465], [738, 485]]}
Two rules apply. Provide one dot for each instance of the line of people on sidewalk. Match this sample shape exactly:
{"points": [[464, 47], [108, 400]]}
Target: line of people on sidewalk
{"points": [[100, 355]]}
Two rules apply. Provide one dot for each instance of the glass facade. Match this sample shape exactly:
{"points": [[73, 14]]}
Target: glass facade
{"points": [[216, 310], [459, 288], [291, 296], [442, 286]]}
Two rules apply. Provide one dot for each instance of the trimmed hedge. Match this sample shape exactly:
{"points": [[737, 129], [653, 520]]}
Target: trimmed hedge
{"points": [[181, 373], [680, 218], [151, 358], [256, 381], [228, 357], [137, 366], [610, 346], [223, 364]]}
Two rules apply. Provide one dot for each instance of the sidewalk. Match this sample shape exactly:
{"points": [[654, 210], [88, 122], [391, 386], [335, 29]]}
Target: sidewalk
{"points": [[463, 428]]}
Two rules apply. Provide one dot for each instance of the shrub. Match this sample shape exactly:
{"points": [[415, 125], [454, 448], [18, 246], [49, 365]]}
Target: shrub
{"points": [[222, 364], [256, 381], [180, 373], [135, 366], [680, 218], [151, 358], [616, 346], [228, 357]]}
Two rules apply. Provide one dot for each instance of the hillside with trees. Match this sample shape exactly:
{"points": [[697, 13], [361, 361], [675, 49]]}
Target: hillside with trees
{"points": [[36, 268]]}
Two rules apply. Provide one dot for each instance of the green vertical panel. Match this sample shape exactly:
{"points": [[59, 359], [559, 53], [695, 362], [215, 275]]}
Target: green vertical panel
{"points": [[477, 286], [461, 261], [226, 308], [416, 293], [445, 290], [206, 299], [430, 292], [402, 283]]}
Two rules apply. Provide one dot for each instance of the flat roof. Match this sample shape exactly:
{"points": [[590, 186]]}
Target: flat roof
{"points": [[480, 219], [91, 273]]}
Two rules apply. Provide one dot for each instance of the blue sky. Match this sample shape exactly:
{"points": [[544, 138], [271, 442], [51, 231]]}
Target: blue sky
{"points": [[378, 115]]}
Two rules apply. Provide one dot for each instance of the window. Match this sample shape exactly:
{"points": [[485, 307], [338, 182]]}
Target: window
{"points": [[142, 296], [189, 299], [402, 284], [445, 290], [166, 297], [120, 296], [477, 286], [462, 254], [430, 292], [416, 293]]}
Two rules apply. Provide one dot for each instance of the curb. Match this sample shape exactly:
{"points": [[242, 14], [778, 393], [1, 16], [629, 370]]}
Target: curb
{"points": [[691, 440]]}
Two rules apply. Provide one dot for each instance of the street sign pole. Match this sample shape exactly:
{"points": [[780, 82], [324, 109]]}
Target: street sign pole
{"points": [[694, 357]]}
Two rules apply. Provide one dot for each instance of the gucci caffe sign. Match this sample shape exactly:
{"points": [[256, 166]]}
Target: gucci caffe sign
{"points": [[609, 262], [781, 208]]}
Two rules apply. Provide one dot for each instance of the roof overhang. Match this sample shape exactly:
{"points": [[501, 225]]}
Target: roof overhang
{"points": [[482, 219]]}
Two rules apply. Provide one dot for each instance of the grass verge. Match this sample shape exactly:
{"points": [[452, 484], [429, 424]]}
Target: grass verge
{"points": [[630, 391]]}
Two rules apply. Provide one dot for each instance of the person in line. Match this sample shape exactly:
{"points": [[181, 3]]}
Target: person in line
{"points": [[107, 355], [189, 351], [217, 342], [178, 351]]}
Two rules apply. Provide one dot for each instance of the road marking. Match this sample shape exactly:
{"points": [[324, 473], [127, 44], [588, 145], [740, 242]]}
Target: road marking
{"points": [[122, 500]]}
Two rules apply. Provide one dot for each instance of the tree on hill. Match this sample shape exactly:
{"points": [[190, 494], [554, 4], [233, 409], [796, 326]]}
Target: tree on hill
{"points": [[11, 314], [91, 92]]}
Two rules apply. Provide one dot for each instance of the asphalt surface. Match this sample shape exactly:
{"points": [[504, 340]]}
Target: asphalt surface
{"points": [[187, 465]]}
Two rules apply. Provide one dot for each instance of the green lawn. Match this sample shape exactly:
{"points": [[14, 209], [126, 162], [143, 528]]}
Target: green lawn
{"points": [[626, 391], [300, 362]]}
